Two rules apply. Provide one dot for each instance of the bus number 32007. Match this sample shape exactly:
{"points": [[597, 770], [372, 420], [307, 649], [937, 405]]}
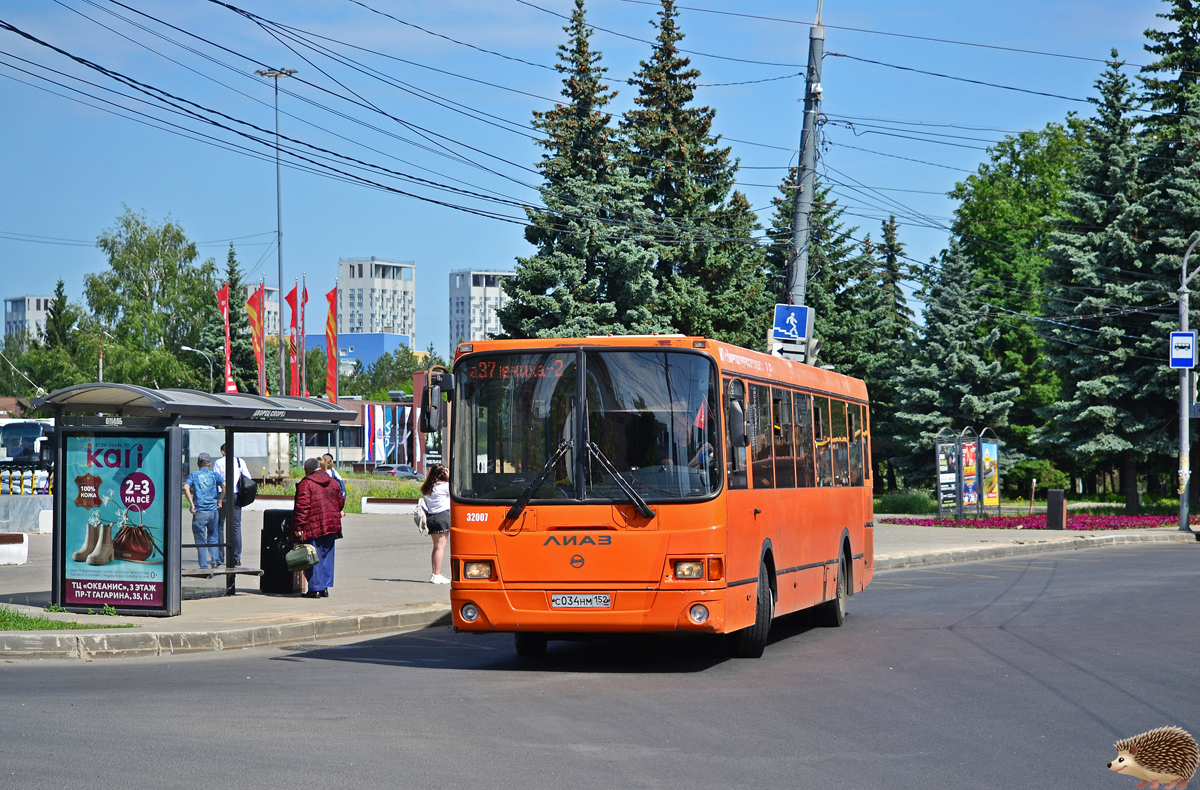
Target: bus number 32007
{"points": [[477, 517]]}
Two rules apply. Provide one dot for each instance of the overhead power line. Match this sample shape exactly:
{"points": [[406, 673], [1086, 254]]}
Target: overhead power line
{"points": [[957, 79], [893, 34]]}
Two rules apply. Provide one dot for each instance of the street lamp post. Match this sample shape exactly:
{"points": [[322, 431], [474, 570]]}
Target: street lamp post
{"points": [[206, 356], [1185, 374], [275, 74]]}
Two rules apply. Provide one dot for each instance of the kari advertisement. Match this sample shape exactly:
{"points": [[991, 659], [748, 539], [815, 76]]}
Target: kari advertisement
{"points": [[970, 479], [115, 520], [991, 474], [947, 470]]}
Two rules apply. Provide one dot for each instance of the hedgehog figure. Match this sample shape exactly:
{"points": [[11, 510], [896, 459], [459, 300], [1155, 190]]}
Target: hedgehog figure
{"points": [[1167, 755]]}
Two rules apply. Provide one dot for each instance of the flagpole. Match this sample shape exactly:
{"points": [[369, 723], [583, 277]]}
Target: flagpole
{"points": [[262, 339], [303, 300]]}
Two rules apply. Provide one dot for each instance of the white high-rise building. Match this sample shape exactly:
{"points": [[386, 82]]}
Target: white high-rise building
{"points": [[26, 313], [271, 313], [377, 295], [475, 295]]}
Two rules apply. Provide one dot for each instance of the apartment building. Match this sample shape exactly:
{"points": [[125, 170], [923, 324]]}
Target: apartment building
{"points": [[26, 313], [376, 295], [475, 295]]}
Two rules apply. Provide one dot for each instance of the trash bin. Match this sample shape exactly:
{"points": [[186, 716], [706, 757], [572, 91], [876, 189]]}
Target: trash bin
{"points": [[1056, 509], [277, 541]]}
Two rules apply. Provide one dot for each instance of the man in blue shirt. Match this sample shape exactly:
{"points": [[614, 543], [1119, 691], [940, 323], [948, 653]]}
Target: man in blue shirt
{"points": [[203, 489]]}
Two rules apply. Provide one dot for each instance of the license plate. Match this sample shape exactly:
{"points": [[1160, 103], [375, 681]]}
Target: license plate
{"points": [[581, 600]]}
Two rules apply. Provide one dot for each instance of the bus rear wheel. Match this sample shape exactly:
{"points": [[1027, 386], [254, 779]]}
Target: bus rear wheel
{"points": [[832, 614], [530, 644], [751, 642]]}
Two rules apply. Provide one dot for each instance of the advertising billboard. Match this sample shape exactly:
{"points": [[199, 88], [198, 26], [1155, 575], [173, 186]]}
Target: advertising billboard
{"points": [[114, 497], [970, 477], [947, 472], [990, 472]]}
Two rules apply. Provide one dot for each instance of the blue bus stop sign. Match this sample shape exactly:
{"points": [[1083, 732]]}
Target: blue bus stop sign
{"points": [[1183, 349], [792, 322]]}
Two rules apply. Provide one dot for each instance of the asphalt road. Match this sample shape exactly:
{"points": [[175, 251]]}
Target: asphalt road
{"points": [[1002, 674]]}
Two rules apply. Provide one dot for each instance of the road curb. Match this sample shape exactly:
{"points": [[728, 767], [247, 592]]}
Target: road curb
{"points": [[917, 558], [91, 644]]}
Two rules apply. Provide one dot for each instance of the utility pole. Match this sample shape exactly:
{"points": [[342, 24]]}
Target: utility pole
{"points": [[1185, 398], [808, 163], [275, 74]]}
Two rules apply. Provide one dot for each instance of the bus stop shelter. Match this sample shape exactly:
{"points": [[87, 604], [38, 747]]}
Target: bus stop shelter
{"points": [[119, 472]]}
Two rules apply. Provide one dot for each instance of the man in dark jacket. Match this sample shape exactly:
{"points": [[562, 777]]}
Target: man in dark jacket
{"points": [[317, 520]]}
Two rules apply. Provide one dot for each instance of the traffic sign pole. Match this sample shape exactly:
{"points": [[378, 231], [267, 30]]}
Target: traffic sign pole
{"points": [[1185, 467]]}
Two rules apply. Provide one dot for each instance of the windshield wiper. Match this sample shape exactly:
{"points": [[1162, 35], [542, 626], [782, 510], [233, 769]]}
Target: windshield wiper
{"points": [[528, 493], [633, 495]]}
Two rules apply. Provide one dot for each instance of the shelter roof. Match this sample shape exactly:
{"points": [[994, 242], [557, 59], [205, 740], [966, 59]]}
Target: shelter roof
{"points": [[221, 409]]}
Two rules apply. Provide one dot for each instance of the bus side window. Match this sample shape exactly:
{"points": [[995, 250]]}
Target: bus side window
{"points": [[758, 409], [735, 455], [837, 429], [822, 442], [804, 439], [785, 455], [854, 424], [866, 432]]}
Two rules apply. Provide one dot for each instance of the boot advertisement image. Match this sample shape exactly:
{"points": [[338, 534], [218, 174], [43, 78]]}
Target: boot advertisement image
{"points": [[117, 520]]}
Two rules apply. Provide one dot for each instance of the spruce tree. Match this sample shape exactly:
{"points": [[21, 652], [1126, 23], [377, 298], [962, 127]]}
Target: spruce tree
{"points": [[592, 272], [61, 317], [241, 345], [709, 268], [950, 382], [894, 271], [1092, 282]]}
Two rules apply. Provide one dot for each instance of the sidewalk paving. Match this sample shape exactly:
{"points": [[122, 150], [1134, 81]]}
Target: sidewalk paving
{"points": [[382, 584]]}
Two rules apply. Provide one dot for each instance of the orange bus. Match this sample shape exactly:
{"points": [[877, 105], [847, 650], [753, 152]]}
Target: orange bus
{"points": [[652, 484]]}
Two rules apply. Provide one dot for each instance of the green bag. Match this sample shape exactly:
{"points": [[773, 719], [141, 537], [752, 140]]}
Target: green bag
{"points": [[302, 557]]}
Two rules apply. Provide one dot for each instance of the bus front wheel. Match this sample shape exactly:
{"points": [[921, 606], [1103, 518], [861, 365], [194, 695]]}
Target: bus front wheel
{"points": [[530, 644], [751, 642]]}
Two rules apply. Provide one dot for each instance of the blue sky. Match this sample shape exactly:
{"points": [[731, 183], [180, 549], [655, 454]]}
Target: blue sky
{"points": [[70, 168]]}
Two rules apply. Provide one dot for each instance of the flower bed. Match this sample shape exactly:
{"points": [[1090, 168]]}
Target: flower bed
{"points": [[1080, 521]]}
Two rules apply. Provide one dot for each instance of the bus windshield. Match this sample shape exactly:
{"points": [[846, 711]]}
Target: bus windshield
{"points": [[649, 415], [19, 441]]}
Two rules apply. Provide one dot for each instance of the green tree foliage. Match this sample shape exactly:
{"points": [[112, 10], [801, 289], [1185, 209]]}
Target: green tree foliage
{"points": [[393, 370], [1104, 410], [152, 298], [592, 272], [709, 268], [952, 381], [1006, 213], [61, 318]]}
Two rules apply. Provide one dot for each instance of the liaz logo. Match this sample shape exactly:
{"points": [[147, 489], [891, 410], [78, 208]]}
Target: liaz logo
{"points": [[576, 540]]}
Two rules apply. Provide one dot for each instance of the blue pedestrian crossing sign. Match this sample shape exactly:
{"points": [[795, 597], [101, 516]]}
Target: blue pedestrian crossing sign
{"points": [[792, 323], [1183, 349]]}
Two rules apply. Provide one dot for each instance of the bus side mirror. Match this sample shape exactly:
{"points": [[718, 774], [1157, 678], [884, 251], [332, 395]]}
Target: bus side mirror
{"points": [[738, 436], [431, 414]]}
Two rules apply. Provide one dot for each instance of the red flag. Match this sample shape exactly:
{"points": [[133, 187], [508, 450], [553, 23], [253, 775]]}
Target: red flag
{"points": [[291, 300], [304, 340], [331, 351], [223, 304], [254, 311], [701, 416]]}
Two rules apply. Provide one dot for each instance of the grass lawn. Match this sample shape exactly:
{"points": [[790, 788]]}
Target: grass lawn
{"points": [[12, 620]]}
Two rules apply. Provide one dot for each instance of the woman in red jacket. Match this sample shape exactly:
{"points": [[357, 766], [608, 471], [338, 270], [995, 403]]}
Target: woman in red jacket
{"points": [[317, 519]]}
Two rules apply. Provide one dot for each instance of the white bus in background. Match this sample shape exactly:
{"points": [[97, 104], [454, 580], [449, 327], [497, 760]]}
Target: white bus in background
{"points": [[265, 454]]}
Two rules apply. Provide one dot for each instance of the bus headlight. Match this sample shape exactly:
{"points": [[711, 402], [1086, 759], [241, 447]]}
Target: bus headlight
{"points": [[470, 612], [689, 569], [477, 570], [698, 613]]}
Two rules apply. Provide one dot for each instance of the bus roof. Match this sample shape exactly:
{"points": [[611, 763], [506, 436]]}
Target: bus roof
{"points": [[731, 359]]}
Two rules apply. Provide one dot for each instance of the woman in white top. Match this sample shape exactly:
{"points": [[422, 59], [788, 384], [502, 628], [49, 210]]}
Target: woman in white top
{"points": [[436, 504]]}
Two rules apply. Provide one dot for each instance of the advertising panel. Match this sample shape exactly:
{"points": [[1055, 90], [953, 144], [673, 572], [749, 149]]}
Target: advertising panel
{"points": [[947, 469], [990, 464], [970, 479], [115, 492]]}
